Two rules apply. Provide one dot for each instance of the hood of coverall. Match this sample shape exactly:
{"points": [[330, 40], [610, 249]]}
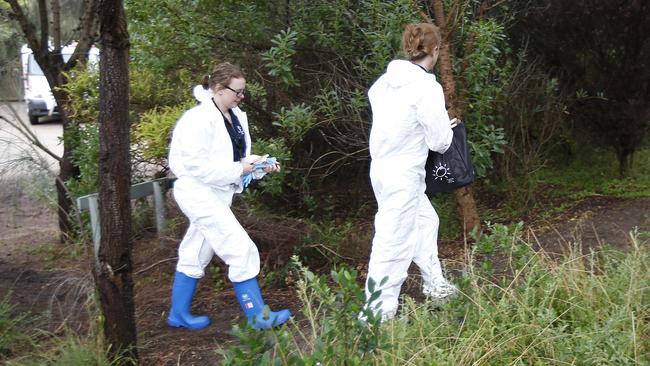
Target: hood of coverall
{"points": [[400, 73], [202, 95], [405, 149]]}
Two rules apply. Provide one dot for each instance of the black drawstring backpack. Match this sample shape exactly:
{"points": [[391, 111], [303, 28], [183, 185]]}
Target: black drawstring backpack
{"points": [[451, 170]]}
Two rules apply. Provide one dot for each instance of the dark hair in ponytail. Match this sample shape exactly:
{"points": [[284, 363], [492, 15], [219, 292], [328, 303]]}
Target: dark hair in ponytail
{"points": [[419, 40], [221, 75]]}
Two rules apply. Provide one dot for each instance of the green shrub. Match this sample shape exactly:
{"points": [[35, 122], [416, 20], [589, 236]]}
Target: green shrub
{"points": [[148, 90], [82, 135], [85, 138], [83, 91], [270, 184], [153, 132], [580, 309], [323, 243], [278, 57], [295, 121], [334, 333]]}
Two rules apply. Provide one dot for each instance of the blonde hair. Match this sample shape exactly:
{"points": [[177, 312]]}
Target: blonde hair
{"points": [[221, 75], [419, 40]]}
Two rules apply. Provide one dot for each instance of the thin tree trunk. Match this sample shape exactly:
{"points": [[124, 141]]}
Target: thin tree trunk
{"points": [[113, 266], [464, 196], [53, 66], [56, 24], [67, 169], [45, 29]]}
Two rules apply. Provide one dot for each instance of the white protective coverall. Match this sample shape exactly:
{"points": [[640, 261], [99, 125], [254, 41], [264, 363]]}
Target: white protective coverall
{"points": [[201, 157], [408, 119]]}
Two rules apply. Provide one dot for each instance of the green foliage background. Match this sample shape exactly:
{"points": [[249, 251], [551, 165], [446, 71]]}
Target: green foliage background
{"points": [[308, 68]]}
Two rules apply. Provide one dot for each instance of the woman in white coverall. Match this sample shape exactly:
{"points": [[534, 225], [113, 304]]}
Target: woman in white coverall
{"points": [[209, 154], [408, 119]]}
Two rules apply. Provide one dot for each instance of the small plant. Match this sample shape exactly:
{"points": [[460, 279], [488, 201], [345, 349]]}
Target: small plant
{"points": [[73, 351], [324, 241], [70, 350], [344, 328], [295, 121], [500, 241], [85, 138], [13, 338], [341, 329], [216, 277], [485, 141], [278, 57], [271, 183]]}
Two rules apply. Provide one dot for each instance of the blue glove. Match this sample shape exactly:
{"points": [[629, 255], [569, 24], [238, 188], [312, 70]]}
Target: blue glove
{"points": [[261, 166], [258, 171], [247, 179]]}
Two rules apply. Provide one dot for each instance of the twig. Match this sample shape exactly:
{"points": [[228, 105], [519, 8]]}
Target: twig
{"points": [[155, 264], [316, 246]]}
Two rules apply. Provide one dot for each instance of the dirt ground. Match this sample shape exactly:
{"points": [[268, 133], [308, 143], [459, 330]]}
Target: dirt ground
{"points": [[45, 279]]}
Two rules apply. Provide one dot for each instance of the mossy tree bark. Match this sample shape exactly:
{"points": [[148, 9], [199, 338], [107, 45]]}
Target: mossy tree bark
{"points": [[113, 268]]}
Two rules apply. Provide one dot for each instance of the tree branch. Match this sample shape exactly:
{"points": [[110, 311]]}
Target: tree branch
{"points": [[21, 126], [42, 12], [87, 33], [56, 25], [29, 30]]}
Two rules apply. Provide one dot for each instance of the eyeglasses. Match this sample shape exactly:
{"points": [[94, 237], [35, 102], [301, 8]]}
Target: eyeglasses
{"points": [[237, 93]]}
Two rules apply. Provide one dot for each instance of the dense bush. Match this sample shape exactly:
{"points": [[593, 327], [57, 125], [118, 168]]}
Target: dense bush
{"points": [[308, 71], [579, 309]]}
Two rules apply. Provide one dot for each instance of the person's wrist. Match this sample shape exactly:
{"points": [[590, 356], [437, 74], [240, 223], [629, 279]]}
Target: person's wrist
{"points": [[246, 167]]}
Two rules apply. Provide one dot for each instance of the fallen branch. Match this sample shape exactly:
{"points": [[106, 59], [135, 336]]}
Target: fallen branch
{"points": [[155, 264]]}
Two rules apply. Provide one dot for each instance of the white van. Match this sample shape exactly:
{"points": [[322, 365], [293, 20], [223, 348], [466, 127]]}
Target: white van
{"points": [[38, 95]]}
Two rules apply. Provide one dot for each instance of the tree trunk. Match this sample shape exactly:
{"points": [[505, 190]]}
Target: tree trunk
{"points": [[53, 66], [113, 266], [67, 169], [464, 196], [56, 24], [64, 201]]}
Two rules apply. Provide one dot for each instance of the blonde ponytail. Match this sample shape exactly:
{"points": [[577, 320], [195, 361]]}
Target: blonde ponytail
{"points": [[419, 40]]}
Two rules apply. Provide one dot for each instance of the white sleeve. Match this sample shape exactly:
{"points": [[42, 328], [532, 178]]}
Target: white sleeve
{"points": [[432, 114], [195, 152]]}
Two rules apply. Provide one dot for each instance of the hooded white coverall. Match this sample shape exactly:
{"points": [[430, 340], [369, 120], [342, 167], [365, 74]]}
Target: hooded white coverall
{"points": [[201, 157], [408, 119]]}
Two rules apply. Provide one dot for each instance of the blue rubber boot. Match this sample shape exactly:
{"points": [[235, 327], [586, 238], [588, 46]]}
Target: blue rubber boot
{"points": [[179, 314], [251, 302]]}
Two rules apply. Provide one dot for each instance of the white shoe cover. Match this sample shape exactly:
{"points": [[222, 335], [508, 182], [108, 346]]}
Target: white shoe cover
{"points": [[439, 289]]}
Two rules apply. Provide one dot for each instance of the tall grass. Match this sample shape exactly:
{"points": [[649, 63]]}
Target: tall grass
{"points": [[68, 350], [24, 343], [579, 309], [13, 338]]}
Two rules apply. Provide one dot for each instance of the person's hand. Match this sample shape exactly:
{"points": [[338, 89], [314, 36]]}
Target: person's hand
{"points": [[271, 168], [247, 167]]}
